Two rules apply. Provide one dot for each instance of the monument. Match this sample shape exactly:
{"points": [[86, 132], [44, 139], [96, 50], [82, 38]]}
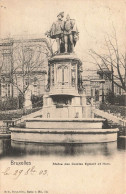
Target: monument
{"points": [[67, 115], [66, 97]]}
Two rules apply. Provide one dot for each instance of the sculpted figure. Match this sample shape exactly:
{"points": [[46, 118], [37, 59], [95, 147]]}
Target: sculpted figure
{"points": [[56, 31], [65, 33], [70, 34]]}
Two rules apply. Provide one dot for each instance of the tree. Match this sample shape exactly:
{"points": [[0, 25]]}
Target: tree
{"points": [[113, 60], [26, 58]]}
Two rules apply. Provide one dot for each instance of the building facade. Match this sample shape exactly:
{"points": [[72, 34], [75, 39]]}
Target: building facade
{"points": [[95, 85], [23, 63]]}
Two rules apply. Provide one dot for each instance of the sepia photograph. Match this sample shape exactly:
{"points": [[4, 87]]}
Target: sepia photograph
{"points": [[63, 96]]}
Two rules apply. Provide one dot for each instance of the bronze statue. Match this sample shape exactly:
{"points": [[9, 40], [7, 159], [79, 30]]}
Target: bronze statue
{"points": [[70, 34], [65, 33], [56, 31]]}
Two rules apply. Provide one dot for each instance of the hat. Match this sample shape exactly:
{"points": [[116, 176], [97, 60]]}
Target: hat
{"points": [[61, 13]]}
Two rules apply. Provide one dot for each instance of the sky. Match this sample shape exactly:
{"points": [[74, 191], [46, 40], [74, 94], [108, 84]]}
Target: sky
{"points": [[95, 19]]}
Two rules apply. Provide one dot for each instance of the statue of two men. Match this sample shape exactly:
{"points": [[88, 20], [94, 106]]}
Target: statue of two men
{"points": [[65, 33]]}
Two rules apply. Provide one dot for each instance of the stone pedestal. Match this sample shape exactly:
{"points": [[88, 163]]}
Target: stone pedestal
{"points": [[63, 99]]}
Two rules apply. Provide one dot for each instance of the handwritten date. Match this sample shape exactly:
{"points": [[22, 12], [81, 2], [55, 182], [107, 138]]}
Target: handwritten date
{"points": [[18, 172]]}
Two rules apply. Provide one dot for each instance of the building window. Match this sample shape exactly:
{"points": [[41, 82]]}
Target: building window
{"points": [[96, 95], [8, 90], [119, 91], [36, 87], [5, 90]]}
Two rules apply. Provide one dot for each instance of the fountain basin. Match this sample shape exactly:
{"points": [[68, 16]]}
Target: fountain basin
{"points": [[64, 131]]}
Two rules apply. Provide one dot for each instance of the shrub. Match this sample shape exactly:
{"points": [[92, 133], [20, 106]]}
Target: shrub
{"points": [[9, 104], [37, 101], [119, 100], [114, 109], [110, 97]]}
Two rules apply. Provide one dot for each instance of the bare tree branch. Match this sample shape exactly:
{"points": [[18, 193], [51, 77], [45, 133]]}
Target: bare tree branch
{"points": [[112, 61], [27, 58]]}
